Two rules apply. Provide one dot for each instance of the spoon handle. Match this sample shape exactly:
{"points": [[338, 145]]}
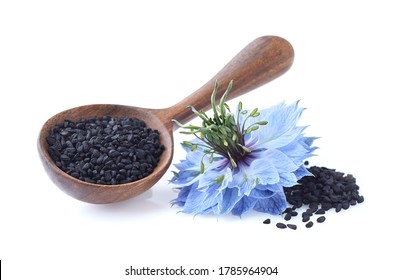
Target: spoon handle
{"points": [[263, 60]]}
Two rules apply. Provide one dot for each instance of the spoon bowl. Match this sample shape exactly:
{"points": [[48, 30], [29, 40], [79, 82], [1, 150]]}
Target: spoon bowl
{"points": [[96, 193], [261, 61]]}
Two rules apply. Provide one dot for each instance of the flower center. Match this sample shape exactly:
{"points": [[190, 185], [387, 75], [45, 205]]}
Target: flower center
{"points": [[223, 133]]}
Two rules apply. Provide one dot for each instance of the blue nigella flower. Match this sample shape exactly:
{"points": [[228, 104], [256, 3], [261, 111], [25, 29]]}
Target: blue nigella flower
{"points": [[242, 161]]}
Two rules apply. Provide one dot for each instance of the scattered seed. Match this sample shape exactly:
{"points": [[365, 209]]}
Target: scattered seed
{"points": [[321, 219], [281, 225], [287, 216], [267, 221], [305, 219], [309, 224], [292, 226]]}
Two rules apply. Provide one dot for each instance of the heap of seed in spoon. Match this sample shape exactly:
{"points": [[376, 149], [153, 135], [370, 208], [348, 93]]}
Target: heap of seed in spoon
{"points": [[105, 150], [327, 189]]}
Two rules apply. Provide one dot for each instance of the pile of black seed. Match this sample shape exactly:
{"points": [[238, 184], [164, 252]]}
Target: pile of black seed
{"points": [[326, 189], [105, 150]]}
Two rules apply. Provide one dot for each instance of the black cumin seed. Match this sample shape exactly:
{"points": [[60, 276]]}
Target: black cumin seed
{"points": [[288, 210], [292, 226], [309, 224], [86, 166], [113, 153], [327, 189], [281, 225], [267, 221], [65, 157], [104, 150], [311, 210], [321, 219]]}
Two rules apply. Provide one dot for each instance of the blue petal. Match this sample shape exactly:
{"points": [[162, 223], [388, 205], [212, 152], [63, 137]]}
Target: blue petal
{"points": [[288, 179], [229, 199], [280, 161], [185, 178], [299, 149], [302, 172], [276, 141], [190, 169], [215, 178], [296, 152], [262, 194], [270, 187], [284, 165], [259, 171], [182, 196], [244, 205], [197, 201], [264, 171], [194, 158], [308, 141], [274, 205], [281, 120]]}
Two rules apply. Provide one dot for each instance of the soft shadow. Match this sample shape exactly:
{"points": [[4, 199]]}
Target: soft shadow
{"points": [[154, 201], [138, 206]]}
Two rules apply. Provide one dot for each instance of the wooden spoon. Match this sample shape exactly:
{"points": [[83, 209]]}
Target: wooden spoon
{"points": [[261, 61]]}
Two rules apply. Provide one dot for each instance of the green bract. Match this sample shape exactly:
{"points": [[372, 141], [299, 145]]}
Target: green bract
{"points": [[221, 133]]}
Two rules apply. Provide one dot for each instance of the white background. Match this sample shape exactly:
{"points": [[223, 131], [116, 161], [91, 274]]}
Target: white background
{"points": [[55, 55]]}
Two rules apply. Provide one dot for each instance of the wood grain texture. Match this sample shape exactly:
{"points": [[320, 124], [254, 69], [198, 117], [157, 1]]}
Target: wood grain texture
{"points": [[260, 62], [263, 60]]}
